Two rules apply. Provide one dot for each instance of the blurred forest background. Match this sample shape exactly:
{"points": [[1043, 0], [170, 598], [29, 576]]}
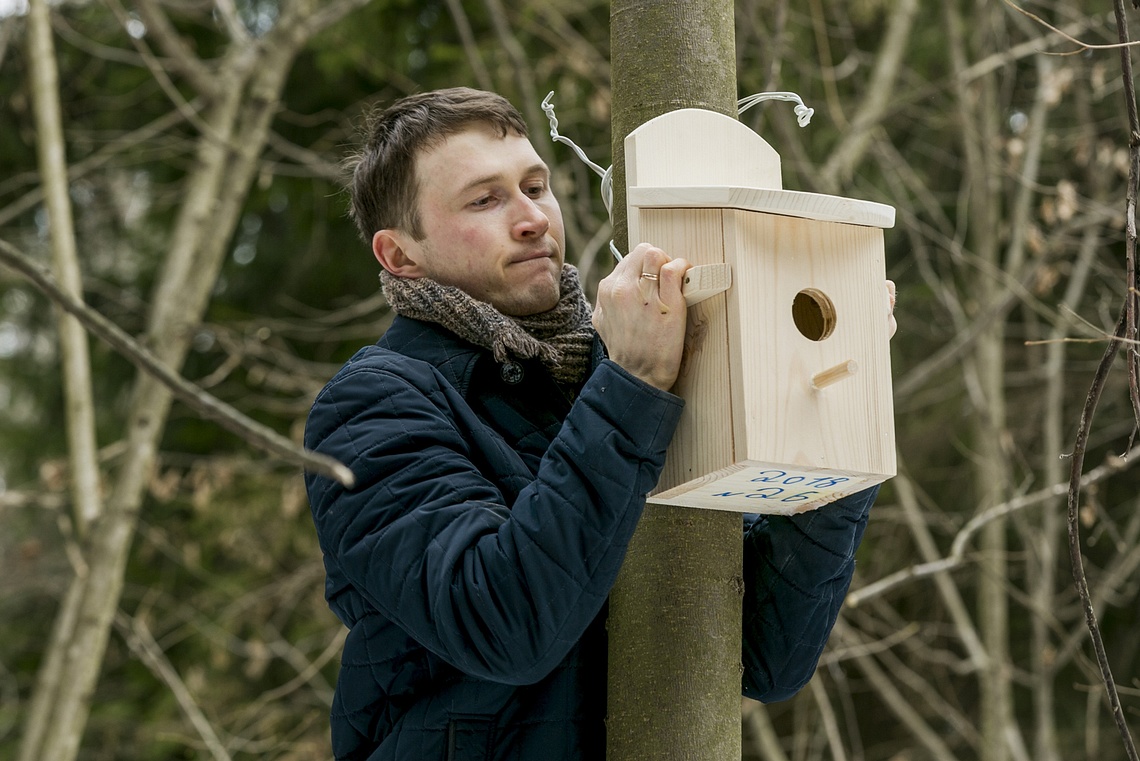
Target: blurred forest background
{"points": [[166, 572]]}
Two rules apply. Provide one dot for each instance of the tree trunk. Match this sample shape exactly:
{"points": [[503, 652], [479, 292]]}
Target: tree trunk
{"points": [[675, 612], [236, 128], [978, 113]]}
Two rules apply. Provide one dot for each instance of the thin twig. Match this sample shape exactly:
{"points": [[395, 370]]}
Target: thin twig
{"points": [[209, 406], [957, 555], [1126, 328], [1079, 578], [142, 643], [1084, 45], [229, 13], [183, 59], [470, 48]]}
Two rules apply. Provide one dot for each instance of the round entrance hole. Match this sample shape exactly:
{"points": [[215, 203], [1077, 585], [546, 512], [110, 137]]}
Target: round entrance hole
{"points": [[814, 314]]}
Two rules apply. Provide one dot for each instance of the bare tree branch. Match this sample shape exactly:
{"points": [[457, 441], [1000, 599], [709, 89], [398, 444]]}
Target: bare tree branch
{"points": [[956, 558], [163, 78], [1027, 48], [232, 20], [94, 161], [209, 406], [1082, 44], [921, 730], [143, 644], [951, 597], [185, 62], [250, 80], [880, 96], [1079, 578], [74, 355], [521, 68], [1126, 328], [474, 57]]}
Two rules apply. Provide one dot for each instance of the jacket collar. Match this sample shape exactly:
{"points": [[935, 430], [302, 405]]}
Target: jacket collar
{"points": [[434, 344], [451, 355]]}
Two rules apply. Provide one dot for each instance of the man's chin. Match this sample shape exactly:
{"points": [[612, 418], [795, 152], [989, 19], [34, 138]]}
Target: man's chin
{"points": [[530, 302]]}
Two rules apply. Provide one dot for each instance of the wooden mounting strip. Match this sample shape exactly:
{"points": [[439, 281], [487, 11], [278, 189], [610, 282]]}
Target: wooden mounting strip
{"points": [[705, 281]]}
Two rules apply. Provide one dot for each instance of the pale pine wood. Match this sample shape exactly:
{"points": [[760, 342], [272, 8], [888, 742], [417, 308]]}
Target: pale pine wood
{"points": [[692, 146], [703, 442], [850, 426], [792, 203], [833, 375], [704, 281], [756, 435], [764, 487]]}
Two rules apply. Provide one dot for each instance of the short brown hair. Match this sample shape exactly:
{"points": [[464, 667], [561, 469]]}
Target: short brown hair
{"points": [[384, 187]]}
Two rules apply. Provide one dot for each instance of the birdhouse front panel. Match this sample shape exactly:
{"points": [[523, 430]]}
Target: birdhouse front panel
{"points": [[817, 304]]}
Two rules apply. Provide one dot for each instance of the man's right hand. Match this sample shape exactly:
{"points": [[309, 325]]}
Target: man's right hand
{"points": [[640, 315]]}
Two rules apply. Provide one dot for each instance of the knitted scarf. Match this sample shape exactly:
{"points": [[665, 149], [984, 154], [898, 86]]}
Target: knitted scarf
{"points": [[561, 338]]}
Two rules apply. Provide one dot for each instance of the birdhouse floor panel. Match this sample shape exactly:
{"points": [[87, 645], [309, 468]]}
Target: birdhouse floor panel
{"points": [[766, 488]]}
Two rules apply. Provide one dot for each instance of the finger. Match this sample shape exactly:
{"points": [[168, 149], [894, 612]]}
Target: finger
{"points": [[892, 299], [671, 279], [649, 272], [653, 260], [633, 264]]}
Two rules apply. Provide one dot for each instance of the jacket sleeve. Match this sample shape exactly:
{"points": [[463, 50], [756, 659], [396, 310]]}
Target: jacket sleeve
{"points": [[797, 570], [502, 592]]}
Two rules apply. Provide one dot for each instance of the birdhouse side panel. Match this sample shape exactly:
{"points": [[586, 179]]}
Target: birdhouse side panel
{"points": [[808, 327], [703, 441]]}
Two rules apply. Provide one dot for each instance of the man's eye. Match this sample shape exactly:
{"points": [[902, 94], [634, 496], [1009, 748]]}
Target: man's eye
{"points": [[483, 202], [536, 190]]}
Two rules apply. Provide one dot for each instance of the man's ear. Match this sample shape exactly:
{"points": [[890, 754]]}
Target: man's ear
{"points": [[394, 250]]}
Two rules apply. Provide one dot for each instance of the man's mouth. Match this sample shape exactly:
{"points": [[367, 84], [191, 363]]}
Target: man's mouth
{"points": [[541, 253]]}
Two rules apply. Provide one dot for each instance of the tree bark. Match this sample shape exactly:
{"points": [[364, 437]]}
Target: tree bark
{"points": [[675, 612]]}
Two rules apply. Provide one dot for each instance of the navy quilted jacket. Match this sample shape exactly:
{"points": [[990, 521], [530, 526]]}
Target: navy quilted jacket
{"points": [[472, 561]]}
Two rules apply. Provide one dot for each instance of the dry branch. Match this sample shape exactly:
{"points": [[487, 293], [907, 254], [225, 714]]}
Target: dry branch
{"points": [[207, 405], [74, 354], [1126, 328], [957, 556], [143, 644]]}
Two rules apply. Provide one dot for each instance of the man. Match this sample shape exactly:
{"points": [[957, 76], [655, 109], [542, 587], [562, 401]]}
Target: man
{"points": [[503, 441]]}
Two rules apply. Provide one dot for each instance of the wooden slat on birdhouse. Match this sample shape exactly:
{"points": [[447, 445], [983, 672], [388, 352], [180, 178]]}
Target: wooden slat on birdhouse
{"points": [[786, 375]]}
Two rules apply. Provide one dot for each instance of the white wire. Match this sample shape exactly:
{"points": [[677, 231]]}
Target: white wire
{"points": [[803, 118], [803, 113], [607, 174]]}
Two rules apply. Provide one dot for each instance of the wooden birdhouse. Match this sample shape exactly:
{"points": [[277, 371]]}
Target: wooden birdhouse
{"points": [[786, 376]]}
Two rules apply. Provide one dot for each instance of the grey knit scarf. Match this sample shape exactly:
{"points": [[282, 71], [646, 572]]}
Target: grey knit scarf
{"points": [[561, 338]]}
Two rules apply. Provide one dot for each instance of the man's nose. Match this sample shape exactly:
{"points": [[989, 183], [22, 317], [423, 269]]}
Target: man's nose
{"points": [[531, 221]]}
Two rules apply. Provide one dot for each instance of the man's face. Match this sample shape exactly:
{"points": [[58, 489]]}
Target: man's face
{"points": [[491, 224]]}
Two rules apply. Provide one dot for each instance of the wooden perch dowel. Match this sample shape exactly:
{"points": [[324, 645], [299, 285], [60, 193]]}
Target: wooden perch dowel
{"points": [[834, 374]]}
